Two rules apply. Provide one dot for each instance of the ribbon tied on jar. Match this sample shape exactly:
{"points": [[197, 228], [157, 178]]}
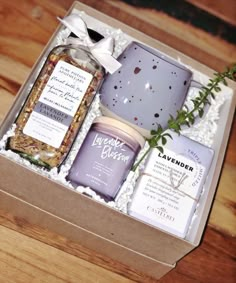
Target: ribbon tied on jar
{"points": [[101, 50]]}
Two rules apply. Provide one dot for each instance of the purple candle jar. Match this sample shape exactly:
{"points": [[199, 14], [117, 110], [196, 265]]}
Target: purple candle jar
{"points": [[106, 156]]}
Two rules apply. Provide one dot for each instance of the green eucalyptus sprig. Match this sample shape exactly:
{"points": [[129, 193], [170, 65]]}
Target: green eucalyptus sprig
{"points": [[185, 116]]}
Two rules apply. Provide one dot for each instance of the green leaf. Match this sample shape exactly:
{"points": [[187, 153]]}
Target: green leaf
{"points": [[194, 102], [212, 95], [224, 82], [159, 130], [186, 107], [167, 135], [217, 89], [160, 148], [191, 119], [200, 112], [201, 94], [187, 123], [152, 143], [175, 127], [170, 123], [153, 132], [206, 101], [171, 118], [163, 140], [205, 88]]}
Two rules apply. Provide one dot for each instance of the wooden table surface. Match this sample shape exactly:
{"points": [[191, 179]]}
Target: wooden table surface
{"points": [[25, 28]]}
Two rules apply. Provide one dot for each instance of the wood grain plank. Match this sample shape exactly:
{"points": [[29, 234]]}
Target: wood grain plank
{"points": [[6, 100], [224, 209], [201, 265], [74, 248], [198, 44], [20, 26], [226, 10], [198, 37], [214, 262], [14, 72], [33, 261]]}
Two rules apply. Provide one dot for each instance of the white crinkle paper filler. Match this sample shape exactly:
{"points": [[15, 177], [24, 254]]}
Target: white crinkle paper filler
{"points": [[204, 131], [205, 128]]}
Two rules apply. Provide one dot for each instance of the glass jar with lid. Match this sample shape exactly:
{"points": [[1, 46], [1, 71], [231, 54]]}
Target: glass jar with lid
{"points": [[106, 156], [57, 105]]}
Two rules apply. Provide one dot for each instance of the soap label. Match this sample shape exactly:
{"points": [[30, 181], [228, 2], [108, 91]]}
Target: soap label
{"points": [[180, 172], [58, 104], [167, 192]]}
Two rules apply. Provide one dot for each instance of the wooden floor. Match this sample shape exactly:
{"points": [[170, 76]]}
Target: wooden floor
{"points": [[26, 26]]}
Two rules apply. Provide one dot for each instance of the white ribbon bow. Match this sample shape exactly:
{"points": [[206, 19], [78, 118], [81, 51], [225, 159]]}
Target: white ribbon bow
{"points": [[101, 50]]}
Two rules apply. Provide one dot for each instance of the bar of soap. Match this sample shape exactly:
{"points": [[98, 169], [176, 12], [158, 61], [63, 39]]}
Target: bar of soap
{"points": [[170, 185]]}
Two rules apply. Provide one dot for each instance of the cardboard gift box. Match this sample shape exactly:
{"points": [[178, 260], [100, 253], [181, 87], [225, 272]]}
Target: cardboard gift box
{"points": [[49, 204]]}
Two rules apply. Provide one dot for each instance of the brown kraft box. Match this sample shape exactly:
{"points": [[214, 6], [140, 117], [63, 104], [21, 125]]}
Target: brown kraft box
{"points": [[46, 203]]}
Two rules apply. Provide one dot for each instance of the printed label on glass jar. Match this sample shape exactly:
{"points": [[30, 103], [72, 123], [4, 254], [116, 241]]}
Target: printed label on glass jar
{"points": [[58, 104], [111, 148], [110, 156]]}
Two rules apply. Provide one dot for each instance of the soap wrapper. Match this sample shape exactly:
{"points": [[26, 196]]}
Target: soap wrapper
{"points": [[170, 185]]}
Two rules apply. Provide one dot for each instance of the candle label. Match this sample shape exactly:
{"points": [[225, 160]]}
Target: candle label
{"points": [[111, 148], [102, 163], [58, 104]]}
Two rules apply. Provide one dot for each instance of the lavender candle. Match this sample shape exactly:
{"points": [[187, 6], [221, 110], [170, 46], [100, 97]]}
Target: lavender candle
{"points": [[106, 156]]}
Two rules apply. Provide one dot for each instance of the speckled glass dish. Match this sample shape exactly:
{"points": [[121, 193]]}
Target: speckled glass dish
{"points": [[147, 89]]}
